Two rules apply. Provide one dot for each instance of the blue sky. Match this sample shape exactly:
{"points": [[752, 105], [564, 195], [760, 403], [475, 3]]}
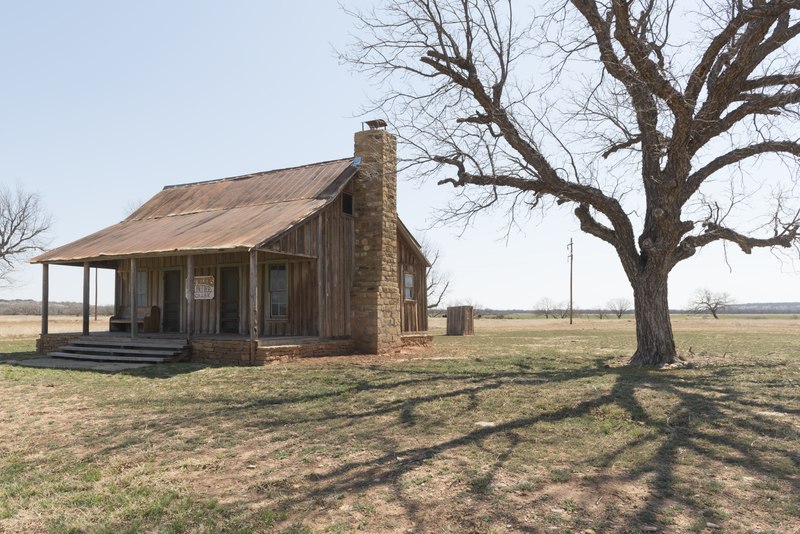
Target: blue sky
{"points": [[104, 103]]}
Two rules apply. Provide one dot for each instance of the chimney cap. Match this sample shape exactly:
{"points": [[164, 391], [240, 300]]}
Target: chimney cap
{"points": [[375, 124]]}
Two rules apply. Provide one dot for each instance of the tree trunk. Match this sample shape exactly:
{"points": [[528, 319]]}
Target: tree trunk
{"points": [[655, 344]]}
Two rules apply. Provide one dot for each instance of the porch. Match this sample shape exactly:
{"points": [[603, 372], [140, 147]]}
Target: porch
{"points": [[252, 295], [230, 349]]}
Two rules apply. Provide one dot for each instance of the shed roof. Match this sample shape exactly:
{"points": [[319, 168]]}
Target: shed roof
{"points": [[242, 212]]}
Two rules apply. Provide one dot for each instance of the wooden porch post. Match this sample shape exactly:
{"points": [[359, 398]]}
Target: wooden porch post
{"points": [[86, 281], [254, 307], [45, 296], [321, 311], [189, 297], [133, 286]]}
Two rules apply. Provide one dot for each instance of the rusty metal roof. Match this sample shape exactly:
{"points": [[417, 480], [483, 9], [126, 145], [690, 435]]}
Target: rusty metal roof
{"points": [[242, 212]]}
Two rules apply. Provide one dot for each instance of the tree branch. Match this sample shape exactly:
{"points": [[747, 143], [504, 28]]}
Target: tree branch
{"points": [[696, 179], [784, 237], [638, 51]]}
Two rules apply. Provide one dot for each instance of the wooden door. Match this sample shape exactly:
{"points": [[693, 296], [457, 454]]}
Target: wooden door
{"points": [[171, 321], [229, 300]]}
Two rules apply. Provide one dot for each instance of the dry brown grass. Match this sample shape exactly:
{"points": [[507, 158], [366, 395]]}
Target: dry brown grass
{"points": [[29, 326], [529, 426]]}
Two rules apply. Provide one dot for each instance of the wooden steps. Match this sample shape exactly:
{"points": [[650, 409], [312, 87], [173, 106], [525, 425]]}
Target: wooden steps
{"points": [[120, 349], [105, 357]]}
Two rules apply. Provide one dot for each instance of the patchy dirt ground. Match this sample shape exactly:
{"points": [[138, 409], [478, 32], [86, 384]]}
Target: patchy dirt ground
{"points": [[525, 427]]}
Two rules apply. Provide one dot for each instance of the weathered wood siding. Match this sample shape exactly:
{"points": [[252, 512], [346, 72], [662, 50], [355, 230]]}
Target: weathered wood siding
{"points": [[206, 312], [460, 321], [302, 301], [328, 237], [319, 258], [414, 311]]}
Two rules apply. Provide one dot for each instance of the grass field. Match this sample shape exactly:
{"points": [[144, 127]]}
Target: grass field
{"points": [[528, 426], [29, 326]]}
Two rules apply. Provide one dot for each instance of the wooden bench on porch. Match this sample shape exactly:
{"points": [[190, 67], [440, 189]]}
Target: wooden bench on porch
{"points": [[148, 324]]}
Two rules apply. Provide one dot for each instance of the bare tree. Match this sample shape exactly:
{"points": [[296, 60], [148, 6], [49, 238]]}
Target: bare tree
{"points": [[438, 281], [705, 301], [644, 116], [602, 312], [23, 224], [546, 307], [619, 306]]}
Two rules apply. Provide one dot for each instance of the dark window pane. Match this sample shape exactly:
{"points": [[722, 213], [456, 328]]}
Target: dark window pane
{"points": [[408, 286], [278, 291], [141, 288], [347, 203], [277, 278]]}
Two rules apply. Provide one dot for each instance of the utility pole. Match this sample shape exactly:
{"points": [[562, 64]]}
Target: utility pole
{"points": [[569, 247]]}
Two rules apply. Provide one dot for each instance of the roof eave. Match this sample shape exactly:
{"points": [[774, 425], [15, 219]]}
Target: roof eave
{"points": [[139, 255], [417, 247], [341, 182]]}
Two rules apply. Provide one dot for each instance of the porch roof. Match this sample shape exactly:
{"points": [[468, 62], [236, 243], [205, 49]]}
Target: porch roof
{"points": [[242, 212]]}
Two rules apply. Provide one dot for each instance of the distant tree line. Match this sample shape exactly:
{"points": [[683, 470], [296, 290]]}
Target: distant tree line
{"points": [[764, 308], [33, 307], [618, 308]]}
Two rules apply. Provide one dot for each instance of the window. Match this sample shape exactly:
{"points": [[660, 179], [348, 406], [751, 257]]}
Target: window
{"points": [[408, 286], [347, 203], [141, 289], [278, 291]]}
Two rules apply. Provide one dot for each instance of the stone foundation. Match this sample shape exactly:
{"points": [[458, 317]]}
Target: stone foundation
{"points": [[422, 339], [51, 342], [225, 351], [285, 353], [237, 352]]}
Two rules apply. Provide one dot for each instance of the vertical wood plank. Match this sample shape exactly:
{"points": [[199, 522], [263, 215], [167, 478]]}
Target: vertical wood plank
{"points": [[253, 293], [96, 286], [321, 311], [132, 300], [460, 321], [189, 297], [118, 290], [86, 282], [215, 307], [211, 305], [403, 312], [45, 297], [244, 299]]}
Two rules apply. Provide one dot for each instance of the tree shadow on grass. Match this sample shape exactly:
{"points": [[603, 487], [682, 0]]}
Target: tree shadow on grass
{"points": [[715, 424], [167, 370], [154, 371], [5, 357], [670, 434]]}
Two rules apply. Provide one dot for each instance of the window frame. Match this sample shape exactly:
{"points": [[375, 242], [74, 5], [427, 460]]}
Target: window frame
{"points": [[407, 287], [350, 201], [270, 291], [142, 289]]}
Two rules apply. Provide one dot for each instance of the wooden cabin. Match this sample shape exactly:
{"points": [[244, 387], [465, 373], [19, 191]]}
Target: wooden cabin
{"points": [[312, 255]]}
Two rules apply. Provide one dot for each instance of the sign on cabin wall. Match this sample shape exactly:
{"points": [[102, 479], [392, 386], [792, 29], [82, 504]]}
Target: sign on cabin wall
{"points": [[203, 287]]}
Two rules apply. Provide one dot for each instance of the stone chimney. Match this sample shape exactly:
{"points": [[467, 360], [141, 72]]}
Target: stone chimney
{"points": [[375, 297]]}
